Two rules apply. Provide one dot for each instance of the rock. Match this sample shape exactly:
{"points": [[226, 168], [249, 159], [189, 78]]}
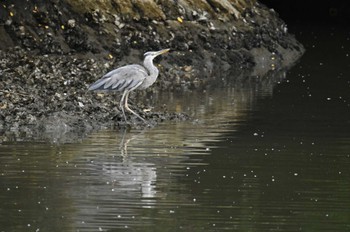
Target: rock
{"points": [[49, 58]]}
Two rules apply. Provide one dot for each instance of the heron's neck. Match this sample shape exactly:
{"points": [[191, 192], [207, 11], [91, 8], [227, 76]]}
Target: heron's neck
{"points": [[152, 70]]}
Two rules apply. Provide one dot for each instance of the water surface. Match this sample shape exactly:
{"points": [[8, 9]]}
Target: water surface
{"points": [[265, 155]]}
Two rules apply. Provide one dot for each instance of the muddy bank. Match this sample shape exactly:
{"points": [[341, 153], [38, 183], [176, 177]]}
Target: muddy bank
{"points": [[52, 52]]}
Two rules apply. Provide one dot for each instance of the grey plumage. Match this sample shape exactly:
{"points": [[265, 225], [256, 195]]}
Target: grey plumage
{"points": [[130, 77]]}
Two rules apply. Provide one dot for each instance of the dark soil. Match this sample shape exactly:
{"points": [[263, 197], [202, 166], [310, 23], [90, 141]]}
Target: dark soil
{"points": [[47, 63]]}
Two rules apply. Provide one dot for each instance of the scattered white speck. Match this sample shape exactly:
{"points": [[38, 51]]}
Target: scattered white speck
{"points": [[80, 104], [171, 211], [255, 134], [328, 98], [207, 149], [295, 174], [194, 199]]}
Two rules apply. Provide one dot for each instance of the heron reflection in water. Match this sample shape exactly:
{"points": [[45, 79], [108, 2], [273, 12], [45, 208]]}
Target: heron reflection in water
{"points": [[130, 77]]}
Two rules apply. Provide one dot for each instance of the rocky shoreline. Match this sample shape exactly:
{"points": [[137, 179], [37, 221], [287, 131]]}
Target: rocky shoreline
{"points": [[46, 71]]}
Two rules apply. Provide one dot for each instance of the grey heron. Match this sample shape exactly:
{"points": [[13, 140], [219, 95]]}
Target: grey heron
{"points": [[130, 77]]}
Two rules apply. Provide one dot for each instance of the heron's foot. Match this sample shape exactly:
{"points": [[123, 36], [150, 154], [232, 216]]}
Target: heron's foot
{"points": [[144, 120], [133, 112], [147, 110]]}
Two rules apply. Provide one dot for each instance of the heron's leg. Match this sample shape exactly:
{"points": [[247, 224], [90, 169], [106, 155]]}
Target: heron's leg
{"points": [[127, 107], [121, 104]]}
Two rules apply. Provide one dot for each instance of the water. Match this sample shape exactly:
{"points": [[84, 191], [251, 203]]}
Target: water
{"points": [[269, 155]]}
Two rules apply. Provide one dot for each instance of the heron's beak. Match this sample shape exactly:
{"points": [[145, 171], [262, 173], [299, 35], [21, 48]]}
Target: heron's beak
{"points": [[163, 51]]}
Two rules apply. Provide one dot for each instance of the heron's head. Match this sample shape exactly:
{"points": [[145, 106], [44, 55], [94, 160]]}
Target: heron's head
{"points": [[157, 53]]}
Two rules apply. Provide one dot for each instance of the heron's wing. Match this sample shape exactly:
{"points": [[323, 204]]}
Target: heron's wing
{"points": [[124, 78]]}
